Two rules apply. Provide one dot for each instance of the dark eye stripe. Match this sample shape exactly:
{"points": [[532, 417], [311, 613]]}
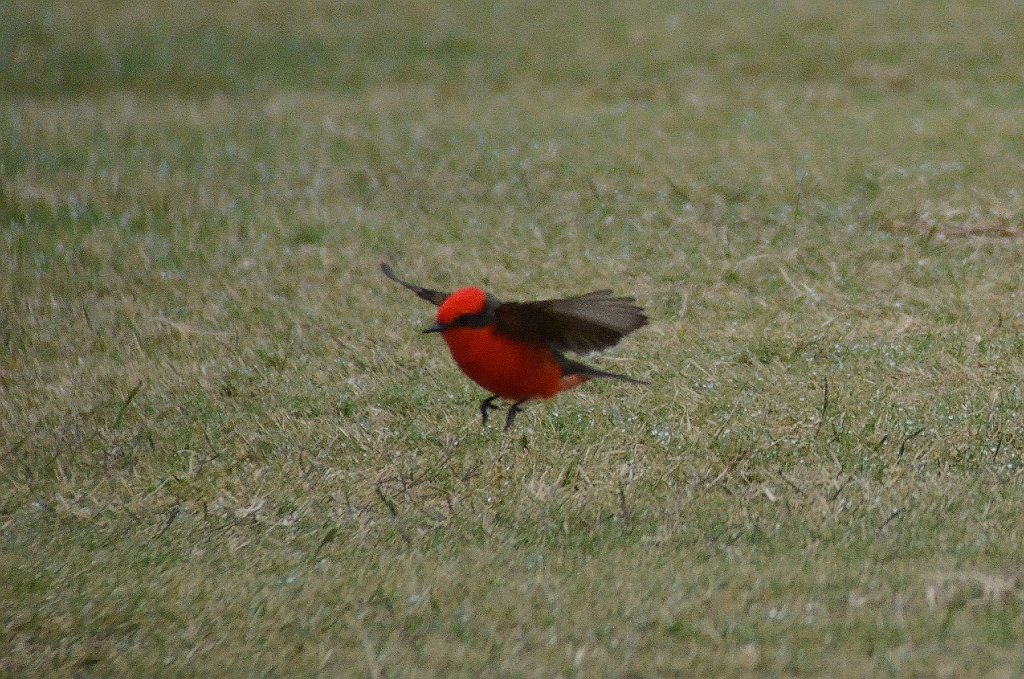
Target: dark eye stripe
{"points": [[474, 320]]}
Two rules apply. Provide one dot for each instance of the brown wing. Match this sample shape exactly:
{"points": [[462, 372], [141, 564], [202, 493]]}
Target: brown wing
{"points": [[582, 324], [433, 296]]}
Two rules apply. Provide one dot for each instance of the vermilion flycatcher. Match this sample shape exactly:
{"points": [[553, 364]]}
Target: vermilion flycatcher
{"points": [[514, 349]]}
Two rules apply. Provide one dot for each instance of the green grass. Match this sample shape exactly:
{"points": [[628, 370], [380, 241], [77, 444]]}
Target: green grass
{"points": [[226, 450]]}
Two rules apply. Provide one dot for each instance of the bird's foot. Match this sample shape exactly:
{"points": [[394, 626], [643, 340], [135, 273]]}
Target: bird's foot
{"points": [[487, 405], [512, 412]]}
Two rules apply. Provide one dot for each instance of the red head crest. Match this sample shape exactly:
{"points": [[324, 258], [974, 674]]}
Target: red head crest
{"points": [[463, 302]]}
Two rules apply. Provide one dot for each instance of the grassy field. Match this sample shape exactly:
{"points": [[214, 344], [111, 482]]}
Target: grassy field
{"points": [[226, 450]]}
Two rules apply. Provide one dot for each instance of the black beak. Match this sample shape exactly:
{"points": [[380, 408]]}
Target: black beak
{"points": [[437, 327]]}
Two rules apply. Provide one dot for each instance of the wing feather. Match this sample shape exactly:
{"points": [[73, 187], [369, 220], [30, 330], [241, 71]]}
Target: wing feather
{"points": [[435, 297], [580, 324]]}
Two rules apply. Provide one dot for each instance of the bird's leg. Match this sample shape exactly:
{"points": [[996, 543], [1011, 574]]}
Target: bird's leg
{"points": [[512, 412], [488, 404]]}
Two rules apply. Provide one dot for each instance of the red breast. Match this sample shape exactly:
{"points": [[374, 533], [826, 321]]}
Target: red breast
{"points": [[514, 370]]}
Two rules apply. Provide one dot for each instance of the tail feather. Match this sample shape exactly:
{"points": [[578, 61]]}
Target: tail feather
{"points": [[575, 368]]}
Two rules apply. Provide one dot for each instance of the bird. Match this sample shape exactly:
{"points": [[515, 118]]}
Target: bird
{"points": [[516, 350]]}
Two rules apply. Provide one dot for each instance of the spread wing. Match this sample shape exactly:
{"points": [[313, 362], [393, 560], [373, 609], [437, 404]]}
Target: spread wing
{"points": [[581, 324], [433, 296]]}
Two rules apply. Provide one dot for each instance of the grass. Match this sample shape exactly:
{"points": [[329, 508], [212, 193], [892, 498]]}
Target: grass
{"points": [[225, 449]]}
